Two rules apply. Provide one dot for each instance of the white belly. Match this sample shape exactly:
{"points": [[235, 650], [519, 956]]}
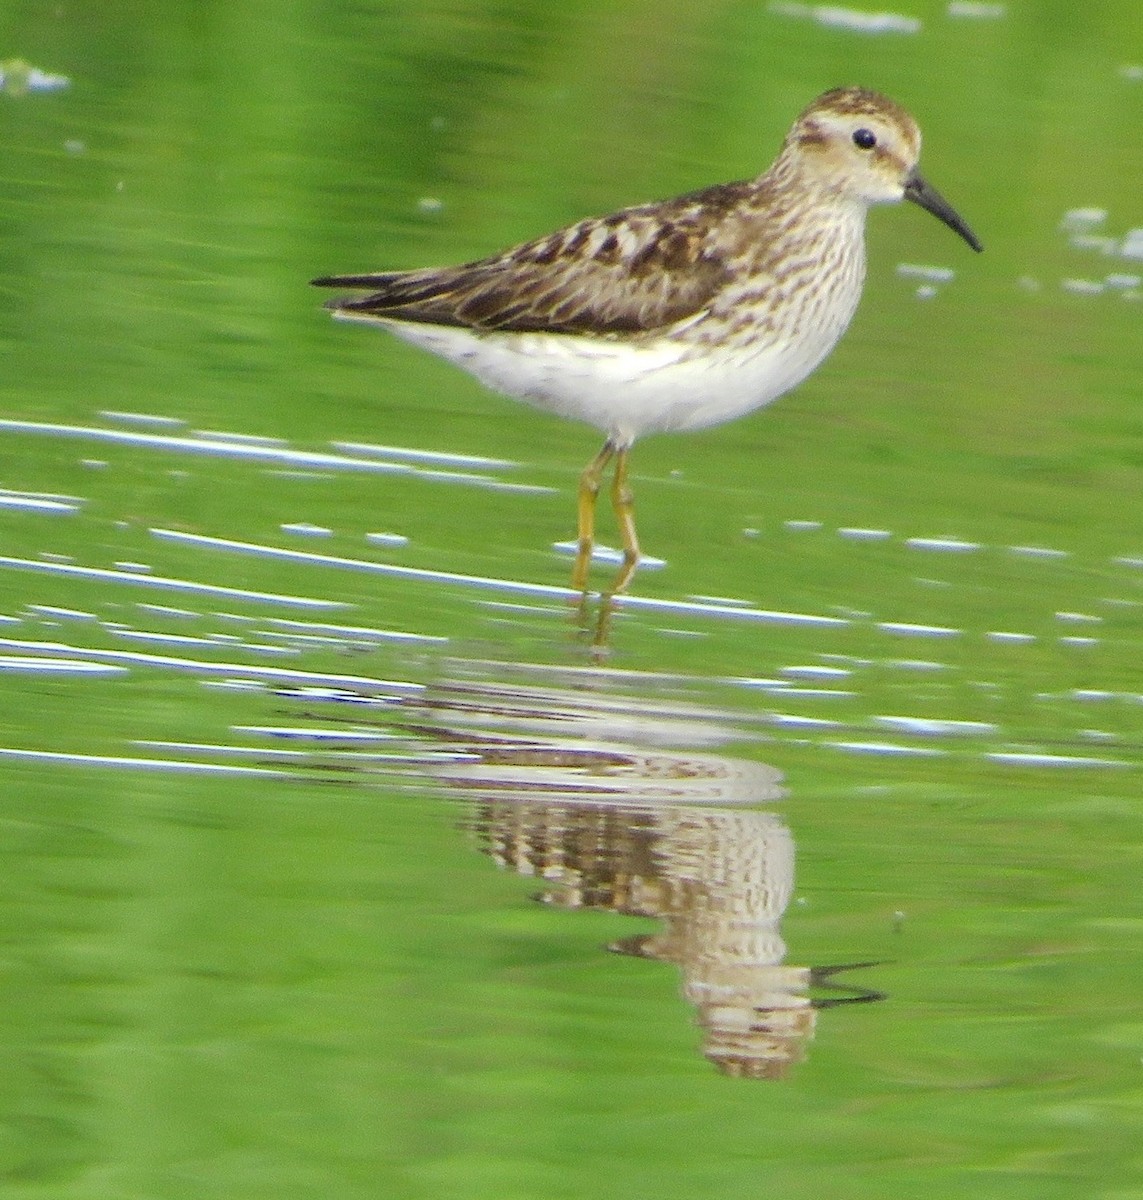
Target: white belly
{"points": [[624, 389]]}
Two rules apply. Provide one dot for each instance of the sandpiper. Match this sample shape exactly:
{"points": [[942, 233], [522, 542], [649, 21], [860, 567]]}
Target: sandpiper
{"points": [[672, 315]]}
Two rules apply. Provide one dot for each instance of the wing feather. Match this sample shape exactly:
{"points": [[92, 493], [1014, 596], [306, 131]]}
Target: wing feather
{"points": [[634, 271]]}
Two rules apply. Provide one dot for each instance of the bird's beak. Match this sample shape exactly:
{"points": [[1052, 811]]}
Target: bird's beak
{"points": [[927, 196]]}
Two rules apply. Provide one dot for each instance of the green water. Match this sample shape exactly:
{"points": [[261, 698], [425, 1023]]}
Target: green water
{"points": [[270, 873]]}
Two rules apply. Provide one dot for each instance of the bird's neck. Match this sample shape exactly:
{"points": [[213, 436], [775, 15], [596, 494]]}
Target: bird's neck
{"points": [[795, 180]]}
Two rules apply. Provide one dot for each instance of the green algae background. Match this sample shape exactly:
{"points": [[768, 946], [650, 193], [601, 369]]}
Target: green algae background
{"points": [[245, 986]]}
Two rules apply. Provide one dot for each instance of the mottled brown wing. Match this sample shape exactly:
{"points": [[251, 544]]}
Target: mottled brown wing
{"points": [[637, 270]]}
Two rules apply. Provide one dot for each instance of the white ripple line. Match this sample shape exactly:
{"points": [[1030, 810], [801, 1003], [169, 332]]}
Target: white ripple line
{"points": [[30, 664], [240, 446], [34, 504], [489, 583], [206, 446], [277, 674], [441, 457], [139, 764], [361, 564], [163, 583]]}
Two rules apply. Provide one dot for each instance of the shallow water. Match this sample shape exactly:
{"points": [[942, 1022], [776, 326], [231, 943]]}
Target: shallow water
{"points": [[837, 850]]}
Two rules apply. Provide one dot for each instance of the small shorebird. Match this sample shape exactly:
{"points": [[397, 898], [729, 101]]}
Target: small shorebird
{"points": [[674, 315]]}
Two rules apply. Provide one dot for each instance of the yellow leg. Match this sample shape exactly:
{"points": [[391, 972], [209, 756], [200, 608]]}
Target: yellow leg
{"points": [[589, 485], [623, 501]]}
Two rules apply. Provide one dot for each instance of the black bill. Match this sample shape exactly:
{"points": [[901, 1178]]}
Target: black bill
{"points": [[927, 196]]}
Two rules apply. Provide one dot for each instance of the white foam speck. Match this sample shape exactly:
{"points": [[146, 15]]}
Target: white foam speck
{"points": [[1076, 219], [165, 610], [61, 614], [796, 721], [927, 273], [305, 529], [949, 545], [240, 439], [1038, 552], [812, 671], [18, 77], [387, 539], [864, 535], [1078, 618], [1082, 287], [888, 749], [1004, 636], [975, 10], [764, 685], [934, 727], [853, 20], [1097, 243], [1132, 244], [1032, 759], [801, 526], [909, 629], [150, 420]]}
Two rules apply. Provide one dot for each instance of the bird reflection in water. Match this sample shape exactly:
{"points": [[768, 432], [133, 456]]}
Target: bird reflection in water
{"points": [[621, 819]]}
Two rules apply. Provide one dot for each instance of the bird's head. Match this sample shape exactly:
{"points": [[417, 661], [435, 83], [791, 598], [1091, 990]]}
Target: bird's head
{"points": [[860, 145]]}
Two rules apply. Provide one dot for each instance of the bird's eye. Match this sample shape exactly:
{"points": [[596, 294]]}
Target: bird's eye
{"points": [[864, 139]]}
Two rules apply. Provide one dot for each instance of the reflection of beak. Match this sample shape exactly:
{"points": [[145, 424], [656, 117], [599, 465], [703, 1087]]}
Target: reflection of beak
{"points": [[927, 196]]}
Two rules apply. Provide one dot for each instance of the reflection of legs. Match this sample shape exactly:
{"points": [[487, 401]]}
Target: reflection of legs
{"points": [[623, 501], [589, 484]]}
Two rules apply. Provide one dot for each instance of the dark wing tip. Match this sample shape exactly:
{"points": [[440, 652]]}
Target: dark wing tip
{"points": [[349, 281]]}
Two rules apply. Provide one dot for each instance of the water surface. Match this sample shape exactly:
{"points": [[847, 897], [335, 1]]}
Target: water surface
{"points": [[335, 861]]}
